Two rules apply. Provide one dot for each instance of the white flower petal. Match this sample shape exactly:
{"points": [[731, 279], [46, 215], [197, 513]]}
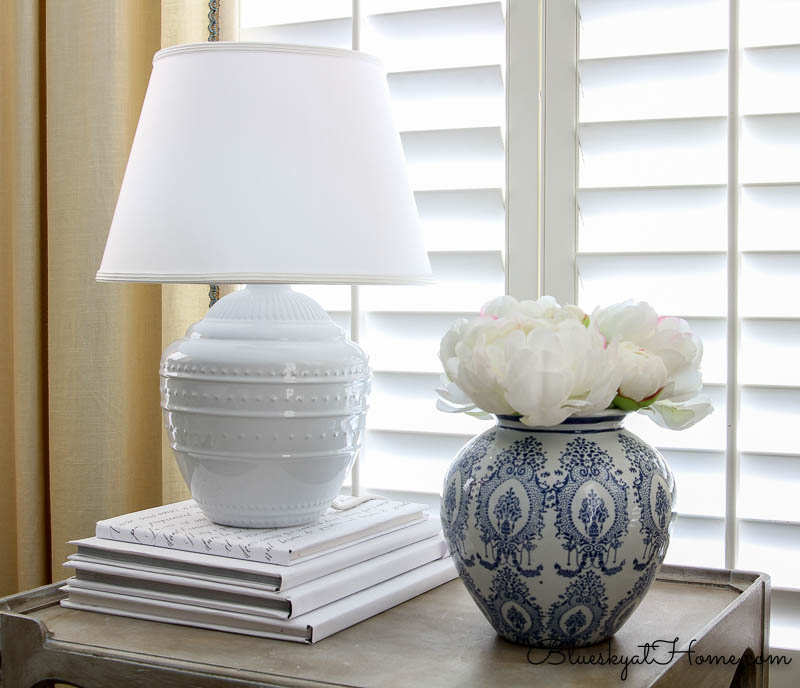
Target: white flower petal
{"points": [[676, 345], [675, 416], [684, 385], [547, 417], [447, 347], [633, 322], [499, 307]]}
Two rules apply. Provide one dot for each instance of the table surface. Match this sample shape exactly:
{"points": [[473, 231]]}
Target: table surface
{"points": [[439, 639]]}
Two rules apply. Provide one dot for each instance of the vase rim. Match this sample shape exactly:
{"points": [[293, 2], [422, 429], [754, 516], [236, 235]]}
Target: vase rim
{"points": [[610, 419]]}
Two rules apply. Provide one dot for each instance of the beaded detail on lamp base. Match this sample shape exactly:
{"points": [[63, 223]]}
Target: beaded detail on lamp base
{"points": [[264, 403]]}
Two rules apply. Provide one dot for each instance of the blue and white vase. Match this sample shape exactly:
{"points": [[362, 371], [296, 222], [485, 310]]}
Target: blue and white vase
{"points": [[558, 532]]}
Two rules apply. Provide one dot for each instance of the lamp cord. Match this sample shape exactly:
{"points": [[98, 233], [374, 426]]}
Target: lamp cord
{"points": [[213, 37], [213, 21]]}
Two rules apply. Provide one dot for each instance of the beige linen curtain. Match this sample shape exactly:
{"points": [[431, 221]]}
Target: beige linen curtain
{"points": [[81, 435]]}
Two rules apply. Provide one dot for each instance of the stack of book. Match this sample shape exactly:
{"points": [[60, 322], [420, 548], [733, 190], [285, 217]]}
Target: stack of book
{"points": [[300, 583]]}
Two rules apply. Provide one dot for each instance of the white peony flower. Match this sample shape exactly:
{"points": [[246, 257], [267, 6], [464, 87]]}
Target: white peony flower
{"points": [[545, 363], [680, 352], [561, 371], [541, 379], [529, 358]]}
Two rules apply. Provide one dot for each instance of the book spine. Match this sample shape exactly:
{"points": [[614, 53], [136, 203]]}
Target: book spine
{"points": [[361, 551], [360, 576], [75, 561], [409, 586]]}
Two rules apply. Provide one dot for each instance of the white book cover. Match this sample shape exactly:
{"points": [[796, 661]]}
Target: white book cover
{"points": [[256, 574], [281, 605], [183, 526], [309, 628]]}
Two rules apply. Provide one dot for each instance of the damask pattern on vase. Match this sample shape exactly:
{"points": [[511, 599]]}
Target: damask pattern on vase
{"points": [[580, 609], [591, 506], [650, 490], [558, 534], [458, 487], [510, 506], [519, 616]]}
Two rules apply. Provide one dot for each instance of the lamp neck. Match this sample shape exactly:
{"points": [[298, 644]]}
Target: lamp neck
{"points": [[266, 303]]}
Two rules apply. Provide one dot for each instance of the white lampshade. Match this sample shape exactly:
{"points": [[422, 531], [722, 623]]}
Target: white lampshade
{"points": [[266, 163]]}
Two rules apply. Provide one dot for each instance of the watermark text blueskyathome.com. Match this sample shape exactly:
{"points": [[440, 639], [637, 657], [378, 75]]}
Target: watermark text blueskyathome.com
{"points": [[661, 652]]}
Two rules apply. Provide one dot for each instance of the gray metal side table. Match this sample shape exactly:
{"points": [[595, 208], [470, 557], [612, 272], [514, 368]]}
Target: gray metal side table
{"points": [[438, 639]]}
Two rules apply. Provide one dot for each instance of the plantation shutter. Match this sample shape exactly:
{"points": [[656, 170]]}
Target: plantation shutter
{"points": [[689, 197], [445, 64]]}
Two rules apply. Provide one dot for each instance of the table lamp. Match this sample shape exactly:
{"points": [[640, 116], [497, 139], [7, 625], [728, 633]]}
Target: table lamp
{"points": [[265, 165]]}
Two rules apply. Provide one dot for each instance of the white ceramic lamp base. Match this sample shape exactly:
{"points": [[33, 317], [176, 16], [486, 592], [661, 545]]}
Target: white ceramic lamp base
{"points": [[264, 403]]}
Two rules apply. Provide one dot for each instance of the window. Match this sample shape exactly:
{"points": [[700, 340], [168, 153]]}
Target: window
{"points": [[682, 183], [653, 150]]}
